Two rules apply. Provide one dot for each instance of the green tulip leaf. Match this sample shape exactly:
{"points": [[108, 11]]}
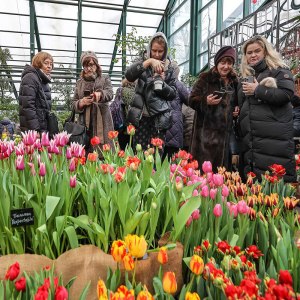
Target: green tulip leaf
{"points": [[72, 236], [51, 203], [83, 295], [133, 222]]}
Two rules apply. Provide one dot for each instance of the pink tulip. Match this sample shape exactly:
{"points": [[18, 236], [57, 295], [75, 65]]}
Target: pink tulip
{"points": [[207, 167], [195, 193], [217, 210], [29, 137], [19, 149], [213, 193], [68, 153], [32, 168], [189, 221], [189, 172], [205, 191], [61, 139], [73, 181], [196, 214], [53, 147], [233, 210], [20, 165], [45, 139], [218, 179], [225, 191], [72, 166], [42, 171], [242, 207], [173, 168], [189, 183], [209, 176]]}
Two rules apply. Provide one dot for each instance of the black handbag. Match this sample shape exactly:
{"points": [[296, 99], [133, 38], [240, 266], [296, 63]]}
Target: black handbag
{"points": [[52, 124], [52, 121], [78, 131]]}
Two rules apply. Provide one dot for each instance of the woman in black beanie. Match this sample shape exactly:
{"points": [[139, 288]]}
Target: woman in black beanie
{"points": [[214, 99]]}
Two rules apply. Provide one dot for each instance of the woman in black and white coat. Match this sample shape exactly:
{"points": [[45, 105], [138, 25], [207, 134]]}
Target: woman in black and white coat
{"points": [[266, 118]]}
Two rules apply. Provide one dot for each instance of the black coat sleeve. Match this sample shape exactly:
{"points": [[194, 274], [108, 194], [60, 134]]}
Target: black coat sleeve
{"points": [[27, 99], [280, 95], [134, 71]]}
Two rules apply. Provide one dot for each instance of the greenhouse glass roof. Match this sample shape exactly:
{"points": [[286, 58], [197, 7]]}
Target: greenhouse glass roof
{"points": [[57, 27]]}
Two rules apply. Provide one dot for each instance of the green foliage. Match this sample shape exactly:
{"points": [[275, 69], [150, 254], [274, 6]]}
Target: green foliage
{"points": [[188, 79], [4, 71], [10, 109], [135, 44]]}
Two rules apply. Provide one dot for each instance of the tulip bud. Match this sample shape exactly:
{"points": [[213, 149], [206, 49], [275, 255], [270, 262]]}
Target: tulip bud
{"points": [[217, 211], [196, 264], [128, 262], [162, 255], [42, 171], [169, 283], [73, 181], [138, 147]]}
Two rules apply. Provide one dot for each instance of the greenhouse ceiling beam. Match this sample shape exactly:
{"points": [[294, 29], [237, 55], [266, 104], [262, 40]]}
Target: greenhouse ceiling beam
{"points": [[120, 28], [79, 38], [31, 26], [163, 23], [193, 38], [138, 10], [36, 30], [75, 20], [59, 35]]}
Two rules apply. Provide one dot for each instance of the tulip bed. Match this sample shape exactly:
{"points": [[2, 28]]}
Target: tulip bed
{"points": [[240, 240]]}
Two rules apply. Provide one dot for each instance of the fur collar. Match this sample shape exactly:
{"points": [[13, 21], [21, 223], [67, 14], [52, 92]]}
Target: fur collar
{"points": [[214, 77]]}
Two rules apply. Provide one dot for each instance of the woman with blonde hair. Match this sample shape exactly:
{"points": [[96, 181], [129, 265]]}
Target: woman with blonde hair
{"points": [[93, 92], [266, 119], [35, 95]]}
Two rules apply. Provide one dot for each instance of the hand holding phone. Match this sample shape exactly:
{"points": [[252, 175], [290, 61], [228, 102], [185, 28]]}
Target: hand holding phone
{"points": [[219, 94], [87, 93]]}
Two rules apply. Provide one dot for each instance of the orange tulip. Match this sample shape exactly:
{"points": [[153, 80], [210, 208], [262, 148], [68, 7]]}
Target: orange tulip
{"points": [[162, 255], [136, 245], [192, 296], [101, 290], [128, 262], [130, 130], [118, 250], [92, 156], [144, 295], [122, 293], [112, 134], [169, 283], [196, 264]]}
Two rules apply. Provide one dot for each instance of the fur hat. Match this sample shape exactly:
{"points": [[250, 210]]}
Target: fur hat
{"points": [[226, 51], [88, 54]]}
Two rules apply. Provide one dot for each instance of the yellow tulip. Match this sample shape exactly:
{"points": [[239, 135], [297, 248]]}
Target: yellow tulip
{"points": [[196, 264], [169, 283], [128, 262], [118, 250], [192, 296], [144, 295], [136, 245], [101, 290], [162, 255]]}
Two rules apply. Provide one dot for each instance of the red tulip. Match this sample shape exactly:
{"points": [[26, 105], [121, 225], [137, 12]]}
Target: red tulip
{"points": [[61, 293], [21, 284], [95, 141], [13, 271]]}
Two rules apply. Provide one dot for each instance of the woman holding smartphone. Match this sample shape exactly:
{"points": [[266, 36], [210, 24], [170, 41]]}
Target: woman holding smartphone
{"points": [[214, 99], [266, 118], [93, 91]]}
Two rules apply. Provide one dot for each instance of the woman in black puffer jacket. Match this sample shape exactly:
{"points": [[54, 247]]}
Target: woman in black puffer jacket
{"points": [[150, 111], [266, 119], [34, 92]]}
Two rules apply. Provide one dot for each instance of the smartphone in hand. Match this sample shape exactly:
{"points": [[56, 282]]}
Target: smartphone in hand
{"points": [[87, 93], [219, 94]]}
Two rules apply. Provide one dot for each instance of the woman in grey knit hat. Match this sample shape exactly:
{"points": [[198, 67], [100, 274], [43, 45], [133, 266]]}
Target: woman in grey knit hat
{"points": [[93, 92]]}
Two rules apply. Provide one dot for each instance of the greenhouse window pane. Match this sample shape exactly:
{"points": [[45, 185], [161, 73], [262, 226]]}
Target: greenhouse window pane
{"points": [[208, 21], [232, 12], [180, 17], [255, 4], [184, 69], [177, 3], [181, 42], [204, 2], [203, 60]]}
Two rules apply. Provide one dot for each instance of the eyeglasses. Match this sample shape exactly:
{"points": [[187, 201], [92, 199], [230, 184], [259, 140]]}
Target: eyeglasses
{"points": [[89, 66]]}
